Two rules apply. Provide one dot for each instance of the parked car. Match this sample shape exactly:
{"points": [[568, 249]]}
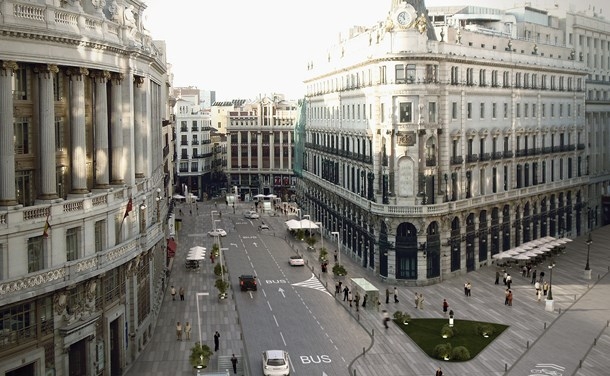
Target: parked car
{"points": [[251, 214], [297, 261], [217, 232], [275, 363], [247, 282]]}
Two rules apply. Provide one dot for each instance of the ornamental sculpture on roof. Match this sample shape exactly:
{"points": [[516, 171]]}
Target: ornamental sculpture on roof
{"points": [[421, 23]]}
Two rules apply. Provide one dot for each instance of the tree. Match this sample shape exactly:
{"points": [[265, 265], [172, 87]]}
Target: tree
{"points": [[200, 355], [222, 287]]}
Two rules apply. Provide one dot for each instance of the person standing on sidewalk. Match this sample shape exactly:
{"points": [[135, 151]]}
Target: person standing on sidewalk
{"points": [[187, 331], [395, 295], [357, 301], [534, 276], [182, 293], [386, 318], [178, 331], [497, 277], [350, 298], [234, 363], [387, 295], [216, 341], [439, 372], [445, 307], [173, 292], [345, 292]]}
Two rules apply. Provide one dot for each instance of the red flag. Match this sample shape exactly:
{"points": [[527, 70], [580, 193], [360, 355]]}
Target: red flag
{"points": [[47, 226], [129, 208]]}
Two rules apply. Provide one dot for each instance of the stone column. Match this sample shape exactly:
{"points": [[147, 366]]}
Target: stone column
{"points": [[7, 146], [77, 130], [116, 130], [102, 165], [46, 113], [139, 130]]}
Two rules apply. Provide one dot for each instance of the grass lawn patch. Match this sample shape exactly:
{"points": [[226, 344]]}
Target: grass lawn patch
{"points": [[472, 335]]}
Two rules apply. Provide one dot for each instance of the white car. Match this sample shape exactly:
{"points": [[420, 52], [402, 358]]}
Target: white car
{"points": [[297, 261], [251, 214], [263, 226], [275, 363], [218, 232]]}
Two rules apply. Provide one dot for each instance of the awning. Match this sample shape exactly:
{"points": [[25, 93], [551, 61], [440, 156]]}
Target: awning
{"points": [[307, 224], [178, 196], [171, 247]]}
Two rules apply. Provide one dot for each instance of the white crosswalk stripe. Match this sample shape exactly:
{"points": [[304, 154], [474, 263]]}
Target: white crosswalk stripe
{"points": [[312, 283]]}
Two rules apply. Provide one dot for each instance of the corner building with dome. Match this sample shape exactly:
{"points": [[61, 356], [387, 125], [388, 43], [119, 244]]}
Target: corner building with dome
{"points": [[439, 137], [85, 174]]}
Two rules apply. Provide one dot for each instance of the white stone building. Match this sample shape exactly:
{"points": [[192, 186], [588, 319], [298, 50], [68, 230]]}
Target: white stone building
{"points": [[84, 115], [430, 151]]}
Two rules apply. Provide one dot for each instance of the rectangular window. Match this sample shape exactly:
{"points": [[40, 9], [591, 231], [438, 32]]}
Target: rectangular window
{"points": [[20, 85], [518, 110], [22, 136], [410, 73], [534, 114], [560, 109], [35, 254], [454, 110], [505, 110], [469, 110], [382, 109], [100, 235], [431, 112], [431, 73], [57, 89], [525, 109], [494, 181], [406, 114], [59, 134], [552, 109], [72, 244], [543, 110], [493, 110], [482, 114]]}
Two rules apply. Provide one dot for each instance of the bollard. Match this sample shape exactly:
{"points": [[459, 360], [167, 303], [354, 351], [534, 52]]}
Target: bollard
{"points": [[528, 345], [580, 363], [594, 341], [354, 372], [363, 351], [373, 332], [559, 310], [544, 326], [598, 276], [574, 297], [505, 367]]}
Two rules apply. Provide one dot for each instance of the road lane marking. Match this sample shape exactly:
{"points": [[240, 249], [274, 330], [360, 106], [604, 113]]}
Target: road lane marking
{"points": [[312, 283]]}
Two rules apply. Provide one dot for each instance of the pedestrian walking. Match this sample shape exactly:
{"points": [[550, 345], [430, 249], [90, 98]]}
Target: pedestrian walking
{"points": [[509, 280], [212, 257], [364, 300], [421, 301], [187, 330], [541, 276], [340, 286], [538, 295], [181, 293], [445, 306], [336, 257], [173, 292], [504, 277], [506, 297], [510, 298], [357, 300], [387, 295], [537, 287], [345, 293], [234, 363], [529, 270], [395, 295], [350, 298], [439, 372], [468, 288], [534, 276], [337, 288], [524, 271], [386, 318], [497, 277], [191, 212], [545, 288], [178, 331], [416, 300], [216, 341]]}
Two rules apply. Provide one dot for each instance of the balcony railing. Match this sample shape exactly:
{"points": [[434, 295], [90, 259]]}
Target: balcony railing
{"points": [[457, 160], [472, 158]]}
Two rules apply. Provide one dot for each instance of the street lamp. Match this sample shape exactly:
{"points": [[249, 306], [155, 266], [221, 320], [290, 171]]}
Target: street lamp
{"points": [[589, 241], [308, 227], [222, 267], [550, 294], [336, 233], [321, 232]]}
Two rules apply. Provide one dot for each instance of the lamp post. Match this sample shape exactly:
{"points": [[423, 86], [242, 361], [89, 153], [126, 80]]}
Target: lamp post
{"points": [[308, 227], [222, 267], [589, 241], [550, 303], [336, 233], [321, 232]]}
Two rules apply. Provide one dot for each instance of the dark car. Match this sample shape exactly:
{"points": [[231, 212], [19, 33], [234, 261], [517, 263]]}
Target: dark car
{"points": [[247, 282]]}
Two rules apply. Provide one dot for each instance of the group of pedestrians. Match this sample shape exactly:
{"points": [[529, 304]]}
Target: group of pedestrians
{"points": [[181, 292], [183, 330]]}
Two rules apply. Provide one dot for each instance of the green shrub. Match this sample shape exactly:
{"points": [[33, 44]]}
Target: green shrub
{"points": [[200, 355], [339, 270], [443, 351], [447, 331], [323, 254], [402, 317], [217, 269], [460, 353], [485, 330]]}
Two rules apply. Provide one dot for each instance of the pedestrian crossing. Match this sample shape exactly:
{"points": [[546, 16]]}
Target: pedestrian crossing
{"points": [[312, 283]]}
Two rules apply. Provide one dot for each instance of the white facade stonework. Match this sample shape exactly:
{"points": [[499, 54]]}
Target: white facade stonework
{"points": [[84, 115], [431, 156]]}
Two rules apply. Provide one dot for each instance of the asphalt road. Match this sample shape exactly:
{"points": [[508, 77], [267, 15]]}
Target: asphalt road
{"points": [[291, 310]]}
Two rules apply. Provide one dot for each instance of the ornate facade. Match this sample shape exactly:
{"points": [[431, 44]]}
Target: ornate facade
{"points": [[429, 154], [83, 185]]}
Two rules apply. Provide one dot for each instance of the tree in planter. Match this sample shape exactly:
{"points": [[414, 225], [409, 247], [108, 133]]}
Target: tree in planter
{"points": [[222, 287], [200, 355], [323, 255], [339, 270], [311, 241], [300, 234], [218, 271], [215, 250]]}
